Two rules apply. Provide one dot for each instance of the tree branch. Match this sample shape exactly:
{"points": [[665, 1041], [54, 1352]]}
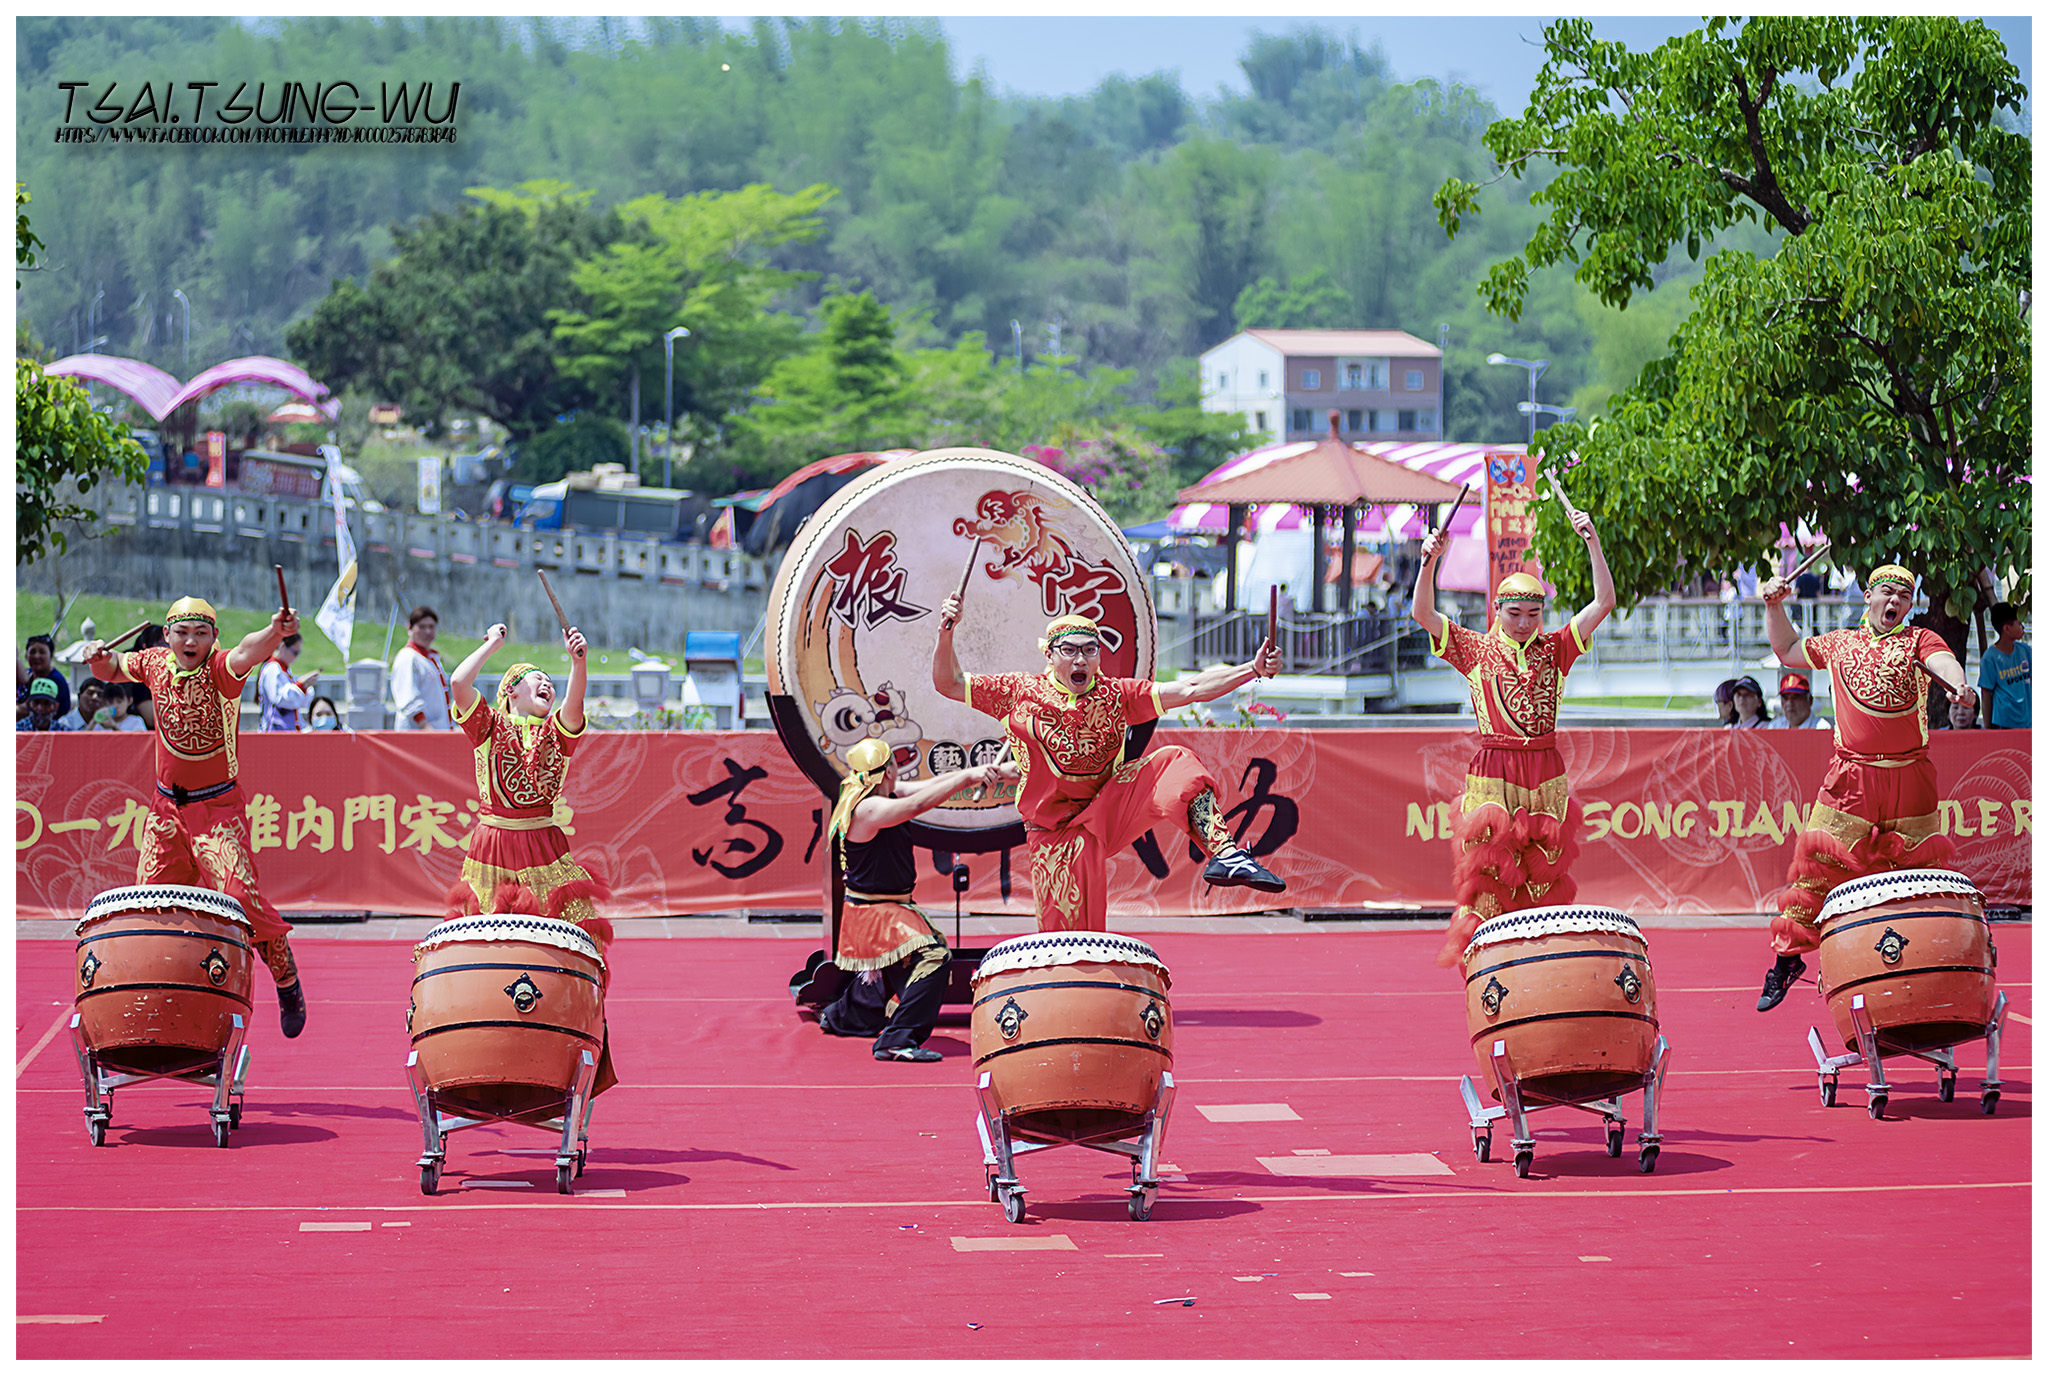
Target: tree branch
{"points": [[1763, 188]]}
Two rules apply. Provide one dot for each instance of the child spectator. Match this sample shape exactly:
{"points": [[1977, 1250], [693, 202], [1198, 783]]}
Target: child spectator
{"points": [[2007, 674], [42, 708]]}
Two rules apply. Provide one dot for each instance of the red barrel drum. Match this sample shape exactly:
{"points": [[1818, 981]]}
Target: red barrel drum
{"points": [[162, 971], [1915, 944], [1074, 1030], [502, 1007], [1569, 990]]}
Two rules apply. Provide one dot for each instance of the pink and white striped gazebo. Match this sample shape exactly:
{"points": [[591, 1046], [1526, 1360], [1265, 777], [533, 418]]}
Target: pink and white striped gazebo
{"points": [[160, 394]]}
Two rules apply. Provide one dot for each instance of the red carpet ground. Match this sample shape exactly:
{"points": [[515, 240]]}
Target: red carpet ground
{"points": [[756, 1189]]}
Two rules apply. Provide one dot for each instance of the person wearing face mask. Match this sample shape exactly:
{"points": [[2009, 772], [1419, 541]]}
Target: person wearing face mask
{"points": [[1879, 808], [1724, 701], [1081, 801], [517, 858], [323, 715], [1517, 833], [196, 833]]}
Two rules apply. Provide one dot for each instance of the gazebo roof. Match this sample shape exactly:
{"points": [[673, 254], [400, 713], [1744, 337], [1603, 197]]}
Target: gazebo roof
{"points": [[1329, 473], [160, 393]]}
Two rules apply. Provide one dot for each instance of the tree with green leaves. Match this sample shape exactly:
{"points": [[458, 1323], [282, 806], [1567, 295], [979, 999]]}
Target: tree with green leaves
{"points": [[458, 319], [702, 263], [60, 441], [1310, 302], [1873, 376]]}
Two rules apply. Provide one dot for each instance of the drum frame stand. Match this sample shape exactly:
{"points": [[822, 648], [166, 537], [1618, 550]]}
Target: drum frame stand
{"points": [[574, 1124], [1943, 1059], [1516, 1110], [100, 1083], [999, 1152]]}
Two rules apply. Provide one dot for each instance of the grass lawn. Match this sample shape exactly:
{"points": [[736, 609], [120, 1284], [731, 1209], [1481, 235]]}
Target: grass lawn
{"points": [[1674, 703], [111, 616]]}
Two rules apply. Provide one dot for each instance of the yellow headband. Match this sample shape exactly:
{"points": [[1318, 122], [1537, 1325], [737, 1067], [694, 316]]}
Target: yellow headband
{"points": [[1891, 573], [1519, 587], [866, 762], [511, 681], [1066, 627], [192, 609]]}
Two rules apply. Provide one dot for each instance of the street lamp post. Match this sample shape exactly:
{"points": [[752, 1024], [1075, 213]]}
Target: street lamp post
{"points": [[186, 357], [1533, 409], [1535, 368], [92, 319], [668, 438]]}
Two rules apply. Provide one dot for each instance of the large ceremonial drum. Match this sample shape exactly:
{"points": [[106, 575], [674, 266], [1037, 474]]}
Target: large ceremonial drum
{"points": [[1569, 990], [502, 1007], [1074, 1030], [1915, 944], [162, 971], [854, 611]]}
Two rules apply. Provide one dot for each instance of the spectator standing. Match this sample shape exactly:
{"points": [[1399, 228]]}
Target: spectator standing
{"points": [[281, 696], [40, 655], [323, 715], [141, 704], [1750, 712], [2007, 673], [42, 707], [91, 699], [1724, 702], [419, 685], [1962, 715], [1795, 699]]}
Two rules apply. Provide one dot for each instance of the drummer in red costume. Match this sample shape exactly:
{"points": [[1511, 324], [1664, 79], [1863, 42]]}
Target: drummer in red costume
{"points": [[522, 761], [1081, 801], [1517, 834], [1878, 807], [197, 833]]}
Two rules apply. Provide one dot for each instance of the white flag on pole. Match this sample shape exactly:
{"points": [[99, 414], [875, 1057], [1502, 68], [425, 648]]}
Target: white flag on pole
{"points": [[337, 615]]}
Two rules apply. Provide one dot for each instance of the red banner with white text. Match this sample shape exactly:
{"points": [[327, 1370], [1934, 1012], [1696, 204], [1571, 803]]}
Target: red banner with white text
{"points": [[1698, 821]]}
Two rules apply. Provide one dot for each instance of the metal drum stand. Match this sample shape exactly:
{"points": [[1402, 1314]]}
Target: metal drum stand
{"points": [[1516, 1105], [223, 1076], [1943, 1059], [1000, 1150], [573, 1124]]}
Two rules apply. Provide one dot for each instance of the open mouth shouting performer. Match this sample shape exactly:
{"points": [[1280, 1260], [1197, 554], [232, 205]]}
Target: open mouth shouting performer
{"points": [[1517, 835], [197, 833], [1081, 801], [1878, 807]]}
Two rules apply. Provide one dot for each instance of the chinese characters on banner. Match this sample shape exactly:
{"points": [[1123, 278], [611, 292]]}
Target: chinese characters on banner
{"points": [[695, 822], [1510, 524]]}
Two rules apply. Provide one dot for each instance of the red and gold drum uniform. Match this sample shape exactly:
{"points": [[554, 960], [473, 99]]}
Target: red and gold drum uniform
{"points": [[521, 765], [1517, 833], [1878, 807], [1080, 799], [197, 833]]}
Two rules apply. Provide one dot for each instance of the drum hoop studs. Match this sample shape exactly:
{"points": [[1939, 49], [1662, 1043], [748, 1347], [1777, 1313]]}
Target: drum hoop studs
{"points": [[524, 993], [1491, 997]]}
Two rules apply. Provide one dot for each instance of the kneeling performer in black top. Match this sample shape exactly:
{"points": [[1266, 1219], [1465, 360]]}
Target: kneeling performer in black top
{"points": [[899, 954]]}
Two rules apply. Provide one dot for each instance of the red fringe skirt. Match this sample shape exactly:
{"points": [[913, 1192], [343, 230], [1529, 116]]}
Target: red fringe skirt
{"points": [[1514, 842]]}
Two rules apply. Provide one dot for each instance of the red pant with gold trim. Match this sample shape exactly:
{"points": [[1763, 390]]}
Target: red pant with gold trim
{"points": [[1869, 818], [1069, 880], [205, 845]]}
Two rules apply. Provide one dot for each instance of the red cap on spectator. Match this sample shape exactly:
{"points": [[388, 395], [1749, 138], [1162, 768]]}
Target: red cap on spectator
{"points": [[1794, 683]]}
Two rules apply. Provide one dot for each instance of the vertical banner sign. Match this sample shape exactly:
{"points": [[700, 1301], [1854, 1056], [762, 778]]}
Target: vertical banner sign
{"points": [[215, 447], [430, 485], [1510, 489], [337, 615]]}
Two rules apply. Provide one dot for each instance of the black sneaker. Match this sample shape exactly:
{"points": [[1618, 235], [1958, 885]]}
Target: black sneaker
{"points": [[291, 1007], [1778, 982], [906, 1053], [1236, 868]]}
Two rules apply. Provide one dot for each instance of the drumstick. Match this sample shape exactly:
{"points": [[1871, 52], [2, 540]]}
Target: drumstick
{"points": [[981, 790], [1558, 488], [1273, 616], [284, 600], [128, 634], [553, 600], [1463, 492], [1808, 561], [967, 573]]}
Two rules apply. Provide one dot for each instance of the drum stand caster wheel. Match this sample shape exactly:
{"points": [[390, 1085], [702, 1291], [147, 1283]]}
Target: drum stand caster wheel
{"points": [[994, 1193], [1827, 1092], [96, 1129], [1140, 1206], [1613, 1138], [1646, 1160], [1523, 1160], [564, 1173], [1990, 1101], [1945, 1088], [1013, 1205], [234, 1115], [1877, 1103], [430, 1178], [1482, 1146], [220, 1131]]}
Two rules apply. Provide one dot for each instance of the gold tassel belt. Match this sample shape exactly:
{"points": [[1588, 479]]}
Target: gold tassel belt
{"points": [[516, 823], [855, 896]]}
